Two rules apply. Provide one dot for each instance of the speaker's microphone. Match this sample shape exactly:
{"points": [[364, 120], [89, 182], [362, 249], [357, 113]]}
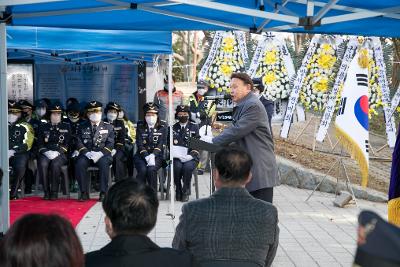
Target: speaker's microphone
{"points": [[215, 97]]}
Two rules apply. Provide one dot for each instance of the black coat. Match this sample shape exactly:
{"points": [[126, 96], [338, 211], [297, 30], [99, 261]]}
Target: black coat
{"points": [[181, 137], [137, 251], [150, 142], [54, 137], [102, 140]]}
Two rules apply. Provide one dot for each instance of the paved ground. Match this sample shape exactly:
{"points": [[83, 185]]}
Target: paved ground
{"points": [[313, 233]]}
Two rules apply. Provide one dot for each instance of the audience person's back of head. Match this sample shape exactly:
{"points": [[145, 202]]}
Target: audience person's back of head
{"points": [[233, 165], [41, 240], [131, 213], [131, 207]]}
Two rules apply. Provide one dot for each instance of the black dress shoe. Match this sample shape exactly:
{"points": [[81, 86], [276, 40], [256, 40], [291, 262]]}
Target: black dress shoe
{"points": [[200, 172], [13, 197], [46, 196], [101, 197], [178, 196], [185, 198], [163, 188], [82, 197], [54, 196]]}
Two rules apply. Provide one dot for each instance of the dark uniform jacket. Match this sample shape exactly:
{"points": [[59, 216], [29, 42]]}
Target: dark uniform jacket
{"points": [[119, 133], [74, 132], [181, 137], [100, 140], [137, 251], [20, 137], [54, 137], [148, 142]]}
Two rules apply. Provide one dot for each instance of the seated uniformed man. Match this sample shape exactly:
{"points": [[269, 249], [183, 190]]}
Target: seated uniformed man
{"points": [[41, 109], [150, 141], [184, 164], [119, 158], [27, 116], [53, 142], [20, 143], [94, 143], [73, 119]]}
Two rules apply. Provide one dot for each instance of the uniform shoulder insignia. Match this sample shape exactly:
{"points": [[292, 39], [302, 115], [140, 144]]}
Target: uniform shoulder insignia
{"points": [[106, 122]]}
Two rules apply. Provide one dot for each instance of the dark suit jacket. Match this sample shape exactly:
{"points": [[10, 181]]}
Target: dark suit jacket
{"points": [[137, 251], [230, 224], [250, 130]]}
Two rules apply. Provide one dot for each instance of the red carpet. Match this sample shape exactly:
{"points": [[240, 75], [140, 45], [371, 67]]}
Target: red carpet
{"points": [[70, 209]]}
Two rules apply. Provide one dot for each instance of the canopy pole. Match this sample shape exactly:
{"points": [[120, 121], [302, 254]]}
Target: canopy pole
{"points": [[170, 123], [5, 202]]}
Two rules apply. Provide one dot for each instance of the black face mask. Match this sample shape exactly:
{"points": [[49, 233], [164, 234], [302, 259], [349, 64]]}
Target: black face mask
{"points": [[183, 119], [24, 115]]}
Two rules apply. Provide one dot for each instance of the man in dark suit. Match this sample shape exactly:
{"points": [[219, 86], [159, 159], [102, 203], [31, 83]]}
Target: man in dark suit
{"points": [[131, 213], [94, 144], [250, 131], [230, 224]]}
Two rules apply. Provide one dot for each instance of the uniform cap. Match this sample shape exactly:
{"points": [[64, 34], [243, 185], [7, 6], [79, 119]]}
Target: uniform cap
{"points": [[182, 108], [94, 106], [150, 108], [14, 106]]}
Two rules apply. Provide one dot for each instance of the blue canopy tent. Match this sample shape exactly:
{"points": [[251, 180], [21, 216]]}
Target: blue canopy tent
{"points": [[79, 46], [368, 17]]}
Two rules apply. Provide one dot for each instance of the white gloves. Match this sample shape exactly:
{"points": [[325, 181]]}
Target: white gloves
{"points": [[113, 152], [95, 156], [207, 139], [186, 158], [151, 160], [75, 154], [51, 154], [11, 153], [89, 155]]}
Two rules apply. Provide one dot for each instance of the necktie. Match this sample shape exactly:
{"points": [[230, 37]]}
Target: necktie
{"points": [[150, 135], [94, 128]]}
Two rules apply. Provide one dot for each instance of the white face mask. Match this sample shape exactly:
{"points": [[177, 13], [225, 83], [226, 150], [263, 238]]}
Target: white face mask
{"points": [[41, 112], [121, 115], [202, 91], [12, 118], [151, 120], [111, 116], [95, 117], [55, 118]]}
